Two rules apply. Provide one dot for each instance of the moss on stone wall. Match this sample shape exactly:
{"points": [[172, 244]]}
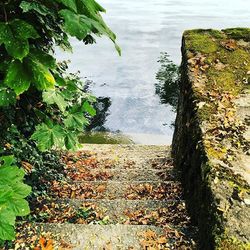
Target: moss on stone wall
{"points": [[238, 33], [215, 71], [231, 243], [200, 41]]}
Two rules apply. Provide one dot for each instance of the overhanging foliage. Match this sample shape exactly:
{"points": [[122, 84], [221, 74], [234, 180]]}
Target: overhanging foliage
{"points": [[38, 100]]}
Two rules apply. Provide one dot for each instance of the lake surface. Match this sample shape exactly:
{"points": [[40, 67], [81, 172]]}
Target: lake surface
{"points": [[144, 29]]}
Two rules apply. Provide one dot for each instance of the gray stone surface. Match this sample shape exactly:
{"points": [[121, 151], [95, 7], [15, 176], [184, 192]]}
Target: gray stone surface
{"points": [[211, 140], [97, 237]]}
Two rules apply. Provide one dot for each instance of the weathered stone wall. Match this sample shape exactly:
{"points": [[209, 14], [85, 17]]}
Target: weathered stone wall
{"points": [[211, 144]]}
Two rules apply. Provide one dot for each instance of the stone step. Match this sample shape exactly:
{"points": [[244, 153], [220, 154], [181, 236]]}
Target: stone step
{"points": [[76, 173], [115, 237], [87, 169], [107, 160], [119, 153], [123, 148], [131, 190], [137, 212]]}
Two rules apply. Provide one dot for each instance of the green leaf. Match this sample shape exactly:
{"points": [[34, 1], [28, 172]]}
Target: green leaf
{"points": [[23, 30], [80, 26], [20, 189], [76, 121], [75, 24], [92, 6], [62, 82], [71, 4], [86, 20], [5, 33], [71, 141], [15, 35], [18, 77], [71, 89], [7, 160], [118, 49], [91, 9], [7, 216], [19, 206], [7, 231], [89, 97], [17, 48], [6, 193], [38, 7], [89, 109], [13, 192], [48, 137], [44, 58], [7, 97], [43, 78], [10, 174], [33, 69], [55, 97]]}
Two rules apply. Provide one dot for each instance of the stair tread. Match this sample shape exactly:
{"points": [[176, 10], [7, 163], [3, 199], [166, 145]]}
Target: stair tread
{"points": [[117, 160], [113, 236], [117, 189], [139, 212], [135, 174]]}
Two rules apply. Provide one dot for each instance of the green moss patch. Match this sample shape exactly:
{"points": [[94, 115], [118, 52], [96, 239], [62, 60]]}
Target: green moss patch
{"points": [[200, 41], [225, 79], [238, 33], [232, 76], [231, 243]]}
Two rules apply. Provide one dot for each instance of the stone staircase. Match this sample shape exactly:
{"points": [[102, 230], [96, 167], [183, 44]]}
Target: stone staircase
{"points": [[115, 197]]}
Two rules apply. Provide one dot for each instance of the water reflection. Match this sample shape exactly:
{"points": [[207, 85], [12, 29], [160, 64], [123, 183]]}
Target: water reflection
{"points": [[167, 88], [168, 77], [144, 29], [102, 106]]}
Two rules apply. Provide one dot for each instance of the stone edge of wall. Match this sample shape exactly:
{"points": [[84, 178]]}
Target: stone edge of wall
{"points": [[211, 186]]}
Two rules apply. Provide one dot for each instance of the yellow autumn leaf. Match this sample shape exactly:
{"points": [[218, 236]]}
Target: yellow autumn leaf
{"points": [[50, 78]]}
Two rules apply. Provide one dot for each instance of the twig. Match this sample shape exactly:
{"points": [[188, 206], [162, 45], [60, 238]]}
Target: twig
{"points": [[5, 15]]}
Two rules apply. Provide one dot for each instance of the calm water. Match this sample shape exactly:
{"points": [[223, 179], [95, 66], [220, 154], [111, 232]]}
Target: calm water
{"points": [[144, 29]]}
